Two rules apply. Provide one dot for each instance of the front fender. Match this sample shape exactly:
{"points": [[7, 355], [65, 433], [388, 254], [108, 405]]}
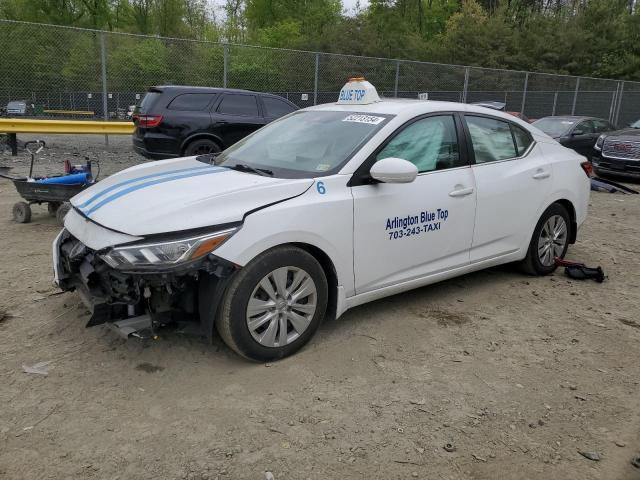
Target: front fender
{"points": [[322, 220]]}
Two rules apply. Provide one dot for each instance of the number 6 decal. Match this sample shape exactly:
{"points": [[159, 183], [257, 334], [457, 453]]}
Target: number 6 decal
{"points": [[321, 189]]}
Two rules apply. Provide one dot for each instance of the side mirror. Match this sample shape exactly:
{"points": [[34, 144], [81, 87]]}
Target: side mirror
{"points": [[575, 133], [394, 170]]}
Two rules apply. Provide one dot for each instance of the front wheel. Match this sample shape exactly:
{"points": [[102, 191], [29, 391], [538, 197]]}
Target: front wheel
{"points": [[274, 305], [550, 240]]}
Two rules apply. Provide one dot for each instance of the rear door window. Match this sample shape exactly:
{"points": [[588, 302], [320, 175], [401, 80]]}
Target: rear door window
{"points": [[275, 107], [191, 101], [523, 139], [243, 105], [491, 139]]}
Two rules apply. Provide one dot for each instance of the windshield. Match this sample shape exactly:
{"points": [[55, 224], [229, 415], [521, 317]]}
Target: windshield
{"points": [[555, 127], [304, 144]]}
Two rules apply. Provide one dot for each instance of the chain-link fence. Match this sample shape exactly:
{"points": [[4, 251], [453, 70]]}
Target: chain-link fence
{"points": [[65, 72]]}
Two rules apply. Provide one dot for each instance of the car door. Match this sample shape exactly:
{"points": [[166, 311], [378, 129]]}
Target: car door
{"points": [[512, 179], [186, 114], [407, 231], [583, 137], [236, 116]]}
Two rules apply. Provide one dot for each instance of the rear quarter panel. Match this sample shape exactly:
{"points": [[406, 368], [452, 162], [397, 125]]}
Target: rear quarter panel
{"points": [[569, 179]]}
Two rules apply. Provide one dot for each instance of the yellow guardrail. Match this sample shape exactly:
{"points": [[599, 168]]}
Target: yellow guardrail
{"points": [[19, 125], [70, 112]]}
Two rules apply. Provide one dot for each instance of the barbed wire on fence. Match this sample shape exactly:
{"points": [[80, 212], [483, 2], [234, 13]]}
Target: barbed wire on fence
{"points": [[75, 72]]}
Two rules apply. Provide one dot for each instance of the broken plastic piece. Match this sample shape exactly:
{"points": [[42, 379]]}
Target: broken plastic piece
{"points": [[37, 369], [131, 326]]}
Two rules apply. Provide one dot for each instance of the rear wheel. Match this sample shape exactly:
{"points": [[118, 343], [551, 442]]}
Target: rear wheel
{"points": [[550, 240], [201, 147], [274, 304], [52, 207], [22, 212]]}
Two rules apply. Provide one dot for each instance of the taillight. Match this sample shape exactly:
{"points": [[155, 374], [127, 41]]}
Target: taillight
{"points": [[588, 168], [147, 121]]}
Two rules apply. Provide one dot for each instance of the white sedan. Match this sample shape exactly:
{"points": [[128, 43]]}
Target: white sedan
{"points": [[320, 211]]}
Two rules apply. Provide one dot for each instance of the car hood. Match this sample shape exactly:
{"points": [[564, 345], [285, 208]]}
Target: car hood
{"points": [[630, 134], [181, 194]]}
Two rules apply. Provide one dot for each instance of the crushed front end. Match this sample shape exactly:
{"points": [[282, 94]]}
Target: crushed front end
{"points": [[185, 291]]}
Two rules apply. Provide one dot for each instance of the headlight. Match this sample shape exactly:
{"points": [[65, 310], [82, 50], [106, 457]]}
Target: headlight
{"points": [[599, 142], [166, 253]]}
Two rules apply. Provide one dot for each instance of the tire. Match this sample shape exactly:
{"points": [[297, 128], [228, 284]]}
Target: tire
{"points": [[53, 207], [62, 212], [22, 212], [543, 247], [265, 340], [201, 147]]}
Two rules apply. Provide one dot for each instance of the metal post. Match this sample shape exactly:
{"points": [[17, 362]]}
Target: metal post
{"points": [[617, 119], [614, 102], [12, 138], [225, 66], [395, 88], [466, 85], [524, 93], [105, 108], [315, 80], [555, 102], [575, 96]]}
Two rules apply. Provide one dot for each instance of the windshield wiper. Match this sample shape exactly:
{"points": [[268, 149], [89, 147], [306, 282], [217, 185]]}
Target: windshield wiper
{"points": [[208, 157], [243, 167]]}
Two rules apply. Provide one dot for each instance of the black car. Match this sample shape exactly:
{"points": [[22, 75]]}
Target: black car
{"points": [[578, 133], [175, 121], [618, 153]]}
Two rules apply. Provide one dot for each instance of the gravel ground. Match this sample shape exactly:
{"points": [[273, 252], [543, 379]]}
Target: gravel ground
{"points": [[517, 374], [77, 148]]}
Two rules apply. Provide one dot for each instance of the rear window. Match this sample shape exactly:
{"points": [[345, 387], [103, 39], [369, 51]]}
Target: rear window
{"points": [[148, 100], [191, 101], [555, 127], [276, 107], [244, 105]]}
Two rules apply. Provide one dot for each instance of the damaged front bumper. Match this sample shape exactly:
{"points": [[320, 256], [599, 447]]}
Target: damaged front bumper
{"points": [[188, 292]]}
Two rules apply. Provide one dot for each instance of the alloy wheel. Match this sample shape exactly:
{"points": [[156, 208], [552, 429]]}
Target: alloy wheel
{"points": [[281, 306], [552, 240]]}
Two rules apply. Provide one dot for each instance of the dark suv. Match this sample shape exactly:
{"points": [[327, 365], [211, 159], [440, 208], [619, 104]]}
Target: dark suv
{"points": [[618, 153], [174, 121]]}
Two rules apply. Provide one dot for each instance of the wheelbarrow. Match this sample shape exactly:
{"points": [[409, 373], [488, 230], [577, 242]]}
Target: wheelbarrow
{"points": [[55, 190]]}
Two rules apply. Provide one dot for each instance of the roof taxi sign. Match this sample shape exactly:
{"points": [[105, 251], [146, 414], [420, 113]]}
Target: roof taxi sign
{"points": [[357, 91]]}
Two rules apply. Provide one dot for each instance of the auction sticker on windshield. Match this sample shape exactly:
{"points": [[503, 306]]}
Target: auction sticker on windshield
{"points": [[359, 118]]}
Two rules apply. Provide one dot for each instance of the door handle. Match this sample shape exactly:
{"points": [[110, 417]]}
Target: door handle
{"points": [[461, 192], [541, 174]]}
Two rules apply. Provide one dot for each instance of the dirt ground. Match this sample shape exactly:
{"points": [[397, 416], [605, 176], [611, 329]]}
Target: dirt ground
{"points": [[518, 374]]}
